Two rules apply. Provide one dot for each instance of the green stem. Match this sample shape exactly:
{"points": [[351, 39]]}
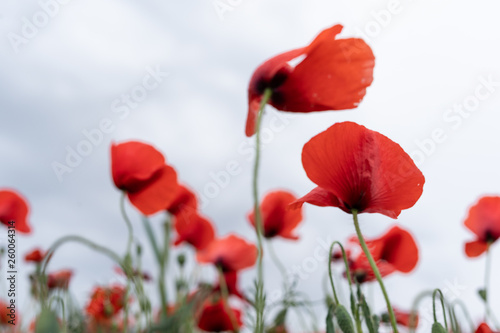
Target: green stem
{"points": [[225, 295], [259, 299], [330, 274], [442, 305], [375, 270], [465, 312], [128, 222], [414, 309], [487, 275]]}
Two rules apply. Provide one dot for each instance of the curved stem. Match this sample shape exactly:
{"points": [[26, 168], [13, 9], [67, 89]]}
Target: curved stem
{"points": [[163, 267], [259, 299], [442, 305], [128, 222], [465, 312], [375, 270], [330, 274]]}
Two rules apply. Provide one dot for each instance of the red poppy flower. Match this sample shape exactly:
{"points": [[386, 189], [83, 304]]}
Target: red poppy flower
{"points": [[145, 276], [230, 253], [357, 168], [59, 279], [484, 221], [36, 256], [403, 318], [14, 207], [333, 75], [140, 170], [484, 328], [106, 302], [219, 317], [185, 201], [193, 229], [4, 313], [277, 218], [396, 250]]}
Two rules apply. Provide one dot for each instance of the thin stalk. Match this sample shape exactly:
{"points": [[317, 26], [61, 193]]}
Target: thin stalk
{"points": [[375, 270], [259, 299], [441, 297], [277, 261], [225, 295], [128, 222], [487, 275], [331, 276]]}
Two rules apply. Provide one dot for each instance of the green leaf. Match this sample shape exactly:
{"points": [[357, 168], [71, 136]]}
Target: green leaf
{"points": [[482, 293], [344, 319], [47, 322], [329, 321], [438, 328], [367, 315]]}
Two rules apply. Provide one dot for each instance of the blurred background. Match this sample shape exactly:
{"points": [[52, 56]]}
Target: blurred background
{"points": [[68, 66]]}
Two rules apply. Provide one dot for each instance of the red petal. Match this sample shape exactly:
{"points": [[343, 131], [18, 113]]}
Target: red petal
{"points": [[231, 253], [319, 197], [14, 207], [334, 75], [185, 200], [484, 219], [157, 193], [219, 317], [193, 229], [398, 248], [484, 328], [363, 169], [475, 248], [261, 79], [133, 163], [277, 219]]}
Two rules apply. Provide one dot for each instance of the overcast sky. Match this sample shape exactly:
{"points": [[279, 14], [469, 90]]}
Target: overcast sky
{"points": [[436, 92]]}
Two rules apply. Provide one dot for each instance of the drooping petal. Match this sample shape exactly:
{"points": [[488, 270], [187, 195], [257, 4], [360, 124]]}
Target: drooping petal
{"points": [[133, 163], [318, 197], [59, 279], [193, 229], [230, 253], [475, 248], [158, 193], [334, 75], [265, 76], [14, 207], [363, 169], [277, 219], [36, 256]]}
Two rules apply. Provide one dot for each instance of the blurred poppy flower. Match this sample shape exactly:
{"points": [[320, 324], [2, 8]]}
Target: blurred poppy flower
{"points": [[402, 318], [484, 328], [396, 250], [14, 207], [357, 168], [230, 253], [4, 313], [144, 275], [184, 201], [277, 218], [484, 221], [59, 279], [219, 317], [36, 256], [140, 170], [105, 303], [333, 75], [193, 229]]}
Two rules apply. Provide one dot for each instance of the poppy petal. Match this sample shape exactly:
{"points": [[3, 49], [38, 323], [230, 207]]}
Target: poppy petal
{"points": [[261, 79], [363, 169], [193, 229], [133, 163], [334, 75], [185, 200], [318, 197], [14, 207], [230, 253], [484, 218], [475, 248], [158, 193], [277, 219]]}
